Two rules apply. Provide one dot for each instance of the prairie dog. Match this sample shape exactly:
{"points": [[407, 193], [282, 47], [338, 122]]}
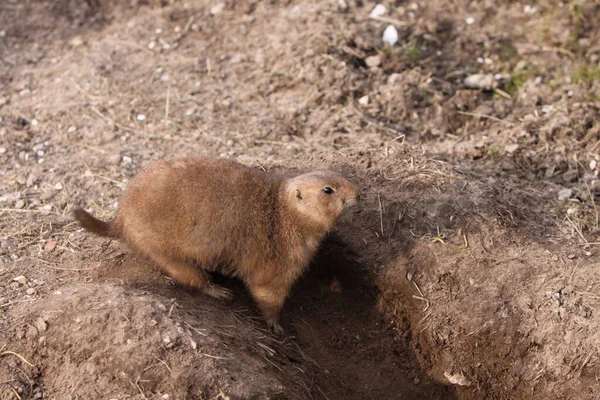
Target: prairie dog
{"points": [[196, 214]]}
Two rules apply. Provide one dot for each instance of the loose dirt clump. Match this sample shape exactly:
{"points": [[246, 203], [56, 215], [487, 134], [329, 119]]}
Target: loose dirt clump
{"points": [[470, 270]]}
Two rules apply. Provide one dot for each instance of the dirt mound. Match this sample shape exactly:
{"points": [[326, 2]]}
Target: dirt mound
{"points": [[116, 341], [493, 306]]}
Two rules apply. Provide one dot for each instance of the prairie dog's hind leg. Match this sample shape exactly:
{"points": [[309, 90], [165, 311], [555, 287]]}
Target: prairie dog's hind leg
{"points": [[188, 275]]}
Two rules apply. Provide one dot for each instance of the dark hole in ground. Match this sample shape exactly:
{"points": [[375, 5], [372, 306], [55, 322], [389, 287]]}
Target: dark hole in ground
{"points": [[331, 314]]}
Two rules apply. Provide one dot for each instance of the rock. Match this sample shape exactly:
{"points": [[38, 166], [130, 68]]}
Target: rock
{"points": [[217, 8], [40, 324], [470, 20], [511, 148], [58, 186], [564, 194], [480, 81], [373, 61], [20, 279], [363, 100], [342, 5], [20, 204], [127, 160], [114, 159], [390, 35], [457, 379], [593, 164], [378, 11], [77, 41], [47, 195], [50, 245], [2, 150], [140, 117], [395, 77], [31, 291]]}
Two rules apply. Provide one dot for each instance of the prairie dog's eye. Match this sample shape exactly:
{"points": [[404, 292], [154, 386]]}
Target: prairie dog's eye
{"points": [[327, 190]]}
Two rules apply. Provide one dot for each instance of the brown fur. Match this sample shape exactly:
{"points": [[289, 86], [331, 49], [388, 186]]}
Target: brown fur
{"points": [[219, 215]]}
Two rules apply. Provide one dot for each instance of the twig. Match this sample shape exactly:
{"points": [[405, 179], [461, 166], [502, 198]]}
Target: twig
{"points": [[167, 103], [51, 266], [393, 21], [478, 115], [165, 363], [19, 210], [15, 393], [215, 357], [185, 30], [195, 330], [106, 118], [587, 359], [503, 93], [7, 352], [422, 296], [319, 389], [593, 201], [140, 389], [380, 213], [577, 229]]}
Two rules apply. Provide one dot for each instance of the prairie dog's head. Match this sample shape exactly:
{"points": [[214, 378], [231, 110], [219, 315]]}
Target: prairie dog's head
{"points": [[321, 197]]}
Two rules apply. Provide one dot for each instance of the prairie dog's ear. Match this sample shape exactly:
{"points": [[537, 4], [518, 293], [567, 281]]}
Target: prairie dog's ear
{"points": [[298, 194]]}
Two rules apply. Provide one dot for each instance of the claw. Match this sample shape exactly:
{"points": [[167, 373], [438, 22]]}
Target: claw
{"points": [[218, 292]]}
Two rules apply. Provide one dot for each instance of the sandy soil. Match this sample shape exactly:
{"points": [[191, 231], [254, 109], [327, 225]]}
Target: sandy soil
{"points": [[470, 269]]}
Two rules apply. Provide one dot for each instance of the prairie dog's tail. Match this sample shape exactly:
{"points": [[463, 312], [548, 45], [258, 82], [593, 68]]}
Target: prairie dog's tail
{"points": [[94, 225]]}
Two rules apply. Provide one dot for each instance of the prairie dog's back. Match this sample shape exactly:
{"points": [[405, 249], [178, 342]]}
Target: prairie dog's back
{"points": [[210, 209]]}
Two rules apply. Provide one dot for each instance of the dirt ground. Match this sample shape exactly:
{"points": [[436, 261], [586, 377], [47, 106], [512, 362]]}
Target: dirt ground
{"points": [[470, 269]]}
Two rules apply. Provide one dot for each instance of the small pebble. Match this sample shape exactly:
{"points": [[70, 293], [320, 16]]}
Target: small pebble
{"points": [[470, 21], [50, 245], [20, 279], [20, 203], [158, 31], [373, 61], [564, 194], [571, 256], [364, 100], [378, 11], [217, 8], [127, 160], [40, 324], [58, 186], [77, 41], [31, 291], [72, 129], [390, 35], [2, 150], [593, 164], [480, 81], [152, 45], [140, 117]]}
